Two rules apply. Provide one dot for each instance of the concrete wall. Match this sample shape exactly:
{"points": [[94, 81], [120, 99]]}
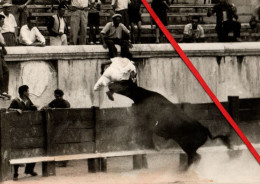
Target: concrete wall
{"points": [[228, 69]]}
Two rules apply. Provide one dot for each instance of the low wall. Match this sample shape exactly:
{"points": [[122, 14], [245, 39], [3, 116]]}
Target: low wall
{"points": [[229, 69]]}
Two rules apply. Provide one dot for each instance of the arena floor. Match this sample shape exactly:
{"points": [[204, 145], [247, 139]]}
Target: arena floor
{"points": [[215, 167]]}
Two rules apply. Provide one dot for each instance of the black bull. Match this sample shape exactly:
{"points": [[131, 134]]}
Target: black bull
{"points": [[166, 119]]}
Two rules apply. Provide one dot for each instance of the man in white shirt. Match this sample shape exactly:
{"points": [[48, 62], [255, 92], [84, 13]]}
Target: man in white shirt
{"points": [[57, 27], [9, 29], [30, 35], [193, 32], [78, 21], [120, 69], [121, 7]]}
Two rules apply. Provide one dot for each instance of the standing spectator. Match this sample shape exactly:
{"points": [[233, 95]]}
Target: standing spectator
{"points": [[160, 7], [112, 34], [30, 35], [93, 21], [57, 27], [193, 32], [23, 103], [121, 7], [20, 10], [9, 29], [78, 21], [4, 72], [225, 13], [134, 12]]}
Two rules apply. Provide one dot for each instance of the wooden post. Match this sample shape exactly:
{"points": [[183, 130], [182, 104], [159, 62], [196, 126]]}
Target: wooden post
{"points": [[5, 150], [139, 161], [93, 165], [48, 168], [103, 163], [233, 107]]}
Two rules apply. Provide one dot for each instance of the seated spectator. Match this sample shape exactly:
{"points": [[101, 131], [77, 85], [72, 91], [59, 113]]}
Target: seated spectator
{"points": [[225, 13], [134, 11], [9, 29], [57, 27], [112, 34], [93, 21], [193, 32], [23, 103], [59, 102], [4, 72], [30, 35]]}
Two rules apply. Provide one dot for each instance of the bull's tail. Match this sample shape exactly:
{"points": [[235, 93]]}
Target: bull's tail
{"points": [[224, 138]]}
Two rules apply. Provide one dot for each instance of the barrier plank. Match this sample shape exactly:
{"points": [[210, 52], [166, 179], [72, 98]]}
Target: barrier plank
{"points": [[75, 136], [26, 153], [73, 148], [35, 131], [27, 143]]}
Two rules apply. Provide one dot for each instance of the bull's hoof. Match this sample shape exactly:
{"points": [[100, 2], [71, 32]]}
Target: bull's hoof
{"points": [[196, 159]]}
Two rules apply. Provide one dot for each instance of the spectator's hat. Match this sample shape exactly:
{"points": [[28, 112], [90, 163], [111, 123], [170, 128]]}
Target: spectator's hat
{"points": [[7, 5], [116, 15]]}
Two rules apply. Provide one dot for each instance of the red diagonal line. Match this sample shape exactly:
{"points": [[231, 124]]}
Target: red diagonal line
{"points": [[201, 80]]}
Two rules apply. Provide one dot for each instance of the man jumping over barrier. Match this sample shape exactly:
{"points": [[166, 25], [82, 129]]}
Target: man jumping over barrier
{"points": [[121, 69]]}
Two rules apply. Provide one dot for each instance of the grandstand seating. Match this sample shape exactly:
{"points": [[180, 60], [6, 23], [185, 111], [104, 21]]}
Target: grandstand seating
{"points": [[178, 16]]}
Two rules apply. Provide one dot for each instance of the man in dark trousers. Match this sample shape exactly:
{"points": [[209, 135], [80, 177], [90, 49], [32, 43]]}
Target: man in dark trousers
{"points": [[225, 13], [23, 103], [112, 34]]}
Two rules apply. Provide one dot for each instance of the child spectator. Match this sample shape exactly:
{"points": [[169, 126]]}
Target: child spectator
{"points": [[193, 32], [134, 11], [93, 21]]}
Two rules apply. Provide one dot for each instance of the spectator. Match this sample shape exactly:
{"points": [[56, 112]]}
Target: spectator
{"points": [[59, 102], [112, 34], [160, 7], [134, 12], [193, 32], [23, 103], [78, 21], [225, 13], [9, 29], [4, 72], [93, 21], [121, 7], [20, 11], [30, 35], [57, 27]]}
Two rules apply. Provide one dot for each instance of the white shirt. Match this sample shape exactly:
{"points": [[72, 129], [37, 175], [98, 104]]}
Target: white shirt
{"points": [[28, 36], [9, 23], [79, 3], [121, 4], [198, 33], [62, 25], [2, 40], [119, 70]]}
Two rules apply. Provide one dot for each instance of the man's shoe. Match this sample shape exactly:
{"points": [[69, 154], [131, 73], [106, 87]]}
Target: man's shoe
{"points": [[32, 173], [15, 178], [110, 95]]}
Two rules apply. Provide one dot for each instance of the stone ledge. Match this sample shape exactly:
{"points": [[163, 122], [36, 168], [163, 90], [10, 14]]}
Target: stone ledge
{"points": [[138, 51]]}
